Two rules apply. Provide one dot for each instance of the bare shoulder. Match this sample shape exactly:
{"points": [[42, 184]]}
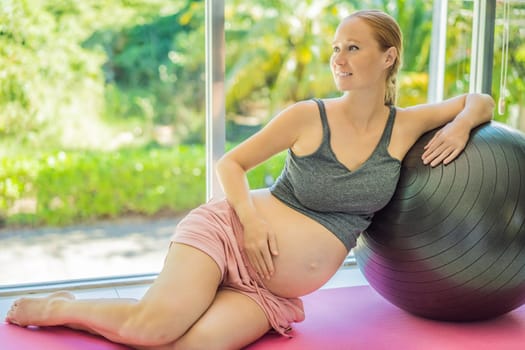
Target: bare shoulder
{"points": [[297, 118], [283, 131], [300, 111], [307, 122]]}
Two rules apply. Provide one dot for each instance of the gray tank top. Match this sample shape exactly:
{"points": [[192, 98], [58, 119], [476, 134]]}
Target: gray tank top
{"points": [[324, 189]]}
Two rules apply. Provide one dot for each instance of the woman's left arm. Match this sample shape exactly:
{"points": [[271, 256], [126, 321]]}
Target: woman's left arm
{"points": [[459, 116]]}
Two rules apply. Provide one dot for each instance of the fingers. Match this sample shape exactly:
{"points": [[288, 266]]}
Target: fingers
{"points": [[446, 144], [439, 156], [262, 266], [272, 242], [432, 141], [442, 149], [260, 246], [260, 257], [435, 155], [444, 153], [452, 156]]}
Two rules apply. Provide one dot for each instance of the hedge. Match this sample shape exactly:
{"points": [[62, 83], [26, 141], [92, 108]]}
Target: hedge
{"points": [[63, 188]]}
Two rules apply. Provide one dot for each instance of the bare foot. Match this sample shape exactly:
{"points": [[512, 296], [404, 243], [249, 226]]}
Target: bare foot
{"points": [[36, 311]]}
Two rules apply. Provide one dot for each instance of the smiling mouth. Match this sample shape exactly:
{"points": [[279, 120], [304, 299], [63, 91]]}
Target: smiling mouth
{"points": [[343, 74]]}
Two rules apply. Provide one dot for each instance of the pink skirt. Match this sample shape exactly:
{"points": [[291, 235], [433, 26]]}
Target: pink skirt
{"points": [[215, 229]]}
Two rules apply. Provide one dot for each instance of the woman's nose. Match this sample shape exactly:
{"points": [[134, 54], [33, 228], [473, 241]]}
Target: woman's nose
{"points": [[338, 59]]}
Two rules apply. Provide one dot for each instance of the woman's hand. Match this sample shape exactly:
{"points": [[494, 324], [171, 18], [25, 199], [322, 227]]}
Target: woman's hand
{"points": [[446, 144], [462, 113], [260, 246]]}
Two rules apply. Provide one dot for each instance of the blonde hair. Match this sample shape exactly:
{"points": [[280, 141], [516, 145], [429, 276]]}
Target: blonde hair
{"points": [[388, 34]]}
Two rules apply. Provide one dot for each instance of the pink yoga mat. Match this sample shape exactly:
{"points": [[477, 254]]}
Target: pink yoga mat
{"points": [[51, 338], [336, 319], [358, 318]]}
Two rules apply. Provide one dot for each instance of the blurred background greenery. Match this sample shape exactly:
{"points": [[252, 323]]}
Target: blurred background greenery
{"points": [[102, 102]]}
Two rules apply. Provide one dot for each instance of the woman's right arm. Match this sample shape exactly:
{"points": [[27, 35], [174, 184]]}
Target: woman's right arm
{"points": [[279, 134]]}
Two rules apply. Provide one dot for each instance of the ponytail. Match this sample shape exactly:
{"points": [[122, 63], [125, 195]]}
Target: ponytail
{"points": [[388, 34], [391, 89]]}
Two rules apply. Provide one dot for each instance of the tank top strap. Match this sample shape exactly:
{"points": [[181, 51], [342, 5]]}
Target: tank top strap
{"points": [[324, 119], [387, 133]]}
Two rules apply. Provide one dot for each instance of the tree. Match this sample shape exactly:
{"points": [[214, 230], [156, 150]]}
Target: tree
{"points": [[278, 51]]}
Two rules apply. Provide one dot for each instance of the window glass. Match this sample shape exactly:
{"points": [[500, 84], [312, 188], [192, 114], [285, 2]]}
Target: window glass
{"points": [[102, 124], [101, 134], [458, 47], [508, 85]]}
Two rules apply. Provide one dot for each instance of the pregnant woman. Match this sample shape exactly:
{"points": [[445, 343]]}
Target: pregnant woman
{"points": [[237, 266]]}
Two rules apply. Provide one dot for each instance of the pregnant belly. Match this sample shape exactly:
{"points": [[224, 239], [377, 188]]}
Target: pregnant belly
{"points": [[309, 254]]}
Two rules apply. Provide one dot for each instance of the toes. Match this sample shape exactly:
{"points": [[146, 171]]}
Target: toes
{"points": [[11, 316], [12, 309]]}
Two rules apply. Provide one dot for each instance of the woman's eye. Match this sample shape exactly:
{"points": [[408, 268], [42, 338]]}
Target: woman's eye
{"points": [[336, 49]]}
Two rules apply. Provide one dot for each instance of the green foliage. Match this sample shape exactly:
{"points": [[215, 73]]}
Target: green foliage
{"points": [[265, 174], [156, 68], [84, 186], [513, 94], [70, 63], [112, 63], [17, 182], [75, 76], [279, 51], [88, 186], [459, 41], [63, 188]]}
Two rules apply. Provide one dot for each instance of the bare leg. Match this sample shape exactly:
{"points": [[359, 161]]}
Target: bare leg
{"points": [[179, 296], [233, 321]]}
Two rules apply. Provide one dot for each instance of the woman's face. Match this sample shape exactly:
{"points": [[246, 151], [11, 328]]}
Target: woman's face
{"points": [[357, 61]]}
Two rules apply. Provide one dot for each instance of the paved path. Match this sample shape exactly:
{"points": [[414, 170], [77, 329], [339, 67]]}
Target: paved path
{"points": [[129, 247]]}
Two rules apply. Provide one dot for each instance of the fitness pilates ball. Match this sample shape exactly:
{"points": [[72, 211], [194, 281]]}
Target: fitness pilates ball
{"points": [[450, 245]]}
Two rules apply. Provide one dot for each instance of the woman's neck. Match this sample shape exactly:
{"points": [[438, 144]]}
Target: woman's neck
{"points": [[362, 108]]}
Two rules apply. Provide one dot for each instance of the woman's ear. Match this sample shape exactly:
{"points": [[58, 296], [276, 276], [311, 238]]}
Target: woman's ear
{"points": [[390, 57]]}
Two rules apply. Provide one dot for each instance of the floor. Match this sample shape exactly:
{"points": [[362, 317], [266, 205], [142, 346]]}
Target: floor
{"points": [[346, 276]]}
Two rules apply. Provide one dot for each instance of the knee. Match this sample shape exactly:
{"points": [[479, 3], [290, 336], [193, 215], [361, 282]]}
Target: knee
{"points": [[151, 326], [201, 339]]}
